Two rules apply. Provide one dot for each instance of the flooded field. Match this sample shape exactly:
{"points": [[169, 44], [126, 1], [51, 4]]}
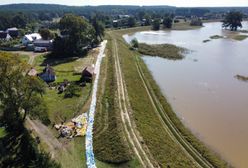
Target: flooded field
{"points": [[202, 87]]}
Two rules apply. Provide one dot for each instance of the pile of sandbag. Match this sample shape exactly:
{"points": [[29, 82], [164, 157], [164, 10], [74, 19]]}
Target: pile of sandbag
{"points": [[76, 127]]}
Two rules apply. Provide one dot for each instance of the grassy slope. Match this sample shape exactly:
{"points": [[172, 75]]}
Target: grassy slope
{"points": [[109, 145], [164, 150]]}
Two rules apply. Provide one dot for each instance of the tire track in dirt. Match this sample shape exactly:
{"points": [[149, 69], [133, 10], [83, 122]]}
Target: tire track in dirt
{"points": [[126, 121]]}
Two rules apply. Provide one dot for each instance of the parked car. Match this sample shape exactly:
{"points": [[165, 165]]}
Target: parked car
{"points": [[40, 49]]}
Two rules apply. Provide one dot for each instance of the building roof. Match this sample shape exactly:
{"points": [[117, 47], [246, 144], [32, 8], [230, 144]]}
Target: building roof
{"points": [[12, 29], [42, 41], [49, 70], [32, 72], [89, 69], [33, 36]]}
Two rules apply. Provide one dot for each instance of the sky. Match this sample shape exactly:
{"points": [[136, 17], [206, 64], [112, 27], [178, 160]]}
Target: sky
{"points": [[178, 3]]}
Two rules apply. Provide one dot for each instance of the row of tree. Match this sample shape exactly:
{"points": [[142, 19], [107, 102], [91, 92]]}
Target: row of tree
{"points": [[77, 35], [167, 22], [232, 20]]}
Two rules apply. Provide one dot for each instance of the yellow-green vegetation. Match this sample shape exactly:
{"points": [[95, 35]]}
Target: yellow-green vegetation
{"points": [[175, 26], [184, 26], [242, 78], [2, 132], [216, 37], [168, 51], [240, 37], [24, 58], [165, 149], [109, 144]]}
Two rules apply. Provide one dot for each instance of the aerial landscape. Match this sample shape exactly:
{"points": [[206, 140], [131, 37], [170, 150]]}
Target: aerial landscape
{"points": [[123, 84]]}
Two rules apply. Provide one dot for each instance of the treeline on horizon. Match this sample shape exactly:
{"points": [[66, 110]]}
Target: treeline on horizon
{"points": [[18, 15], [87, 11]]}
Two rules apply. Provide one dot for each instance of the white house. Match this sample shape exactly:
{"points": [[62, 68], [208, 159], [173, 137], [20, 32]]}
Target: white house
{"points": [[30, 38]]}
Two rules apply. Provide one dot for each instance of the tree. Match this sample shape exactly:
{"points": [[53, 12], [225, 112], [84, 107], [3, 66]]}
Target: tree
{"points": [[131, 21], [72, 90], [4, 22], [233, 20], [46, 34], [156, 24], [98, 26], [19, 20], [147, 18], [77, 35], [20, 94], [135, 43], [17, 89], [167, 22]]}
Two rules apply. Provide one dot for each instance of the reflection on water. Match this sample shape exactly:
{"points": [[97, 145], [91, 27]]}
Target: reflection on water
{"points": [[202, 89]]}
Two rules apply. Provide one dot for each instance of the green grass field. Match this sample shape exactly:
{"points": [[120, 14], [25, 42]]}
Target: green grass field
{"points": [[63, 109]]}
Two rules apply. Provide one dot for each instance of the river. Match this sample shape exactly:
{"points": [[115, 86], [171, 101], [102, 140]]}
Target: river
{"points": [[202, 87]]}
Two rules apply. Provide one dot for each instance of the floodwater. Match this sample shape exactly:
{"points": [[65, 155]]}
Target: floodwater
{"points": [[202, 88]]}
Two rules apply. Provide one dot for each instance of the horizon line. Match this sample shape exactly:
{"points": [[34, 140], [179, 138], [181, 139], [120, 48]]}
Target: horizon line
{"points": [[124, 5]]}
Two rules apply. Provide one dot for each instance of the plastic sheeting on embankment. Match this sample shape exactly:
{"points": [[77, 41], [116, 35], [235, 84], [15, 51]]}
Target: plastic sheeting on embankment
{"points": [[90, 160]]}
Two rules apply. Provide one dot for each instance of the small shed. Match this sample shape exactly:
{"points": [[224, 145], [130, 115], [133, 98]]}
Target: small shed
{"points": [[87, 74], [48, 74], [32, 72]]}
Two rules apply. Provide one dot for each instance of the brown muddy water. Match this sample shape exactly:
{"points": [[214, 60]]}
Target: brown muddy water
{"points": [[202, 88]]}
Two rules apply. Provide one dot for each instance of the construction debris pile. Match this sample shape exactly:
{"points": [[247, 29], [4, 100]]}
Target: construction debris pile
{"points": [[76, 127]]}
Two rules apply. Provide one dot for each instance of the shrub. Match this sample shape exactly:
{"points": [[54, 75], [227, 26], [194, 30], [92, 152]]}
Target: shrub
{"points": [[72, 90], [135, 43]]}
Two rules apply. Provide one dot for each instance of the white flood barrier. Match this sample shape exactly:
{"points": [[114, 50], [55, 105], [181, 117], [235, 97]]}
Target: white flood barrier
{"points": [[90, 160]]}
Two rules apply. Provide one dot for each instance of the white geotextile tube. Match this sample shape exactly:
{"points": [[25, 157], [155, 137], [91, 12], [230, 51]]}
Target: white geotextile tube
{"points": [[90, 160]]}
